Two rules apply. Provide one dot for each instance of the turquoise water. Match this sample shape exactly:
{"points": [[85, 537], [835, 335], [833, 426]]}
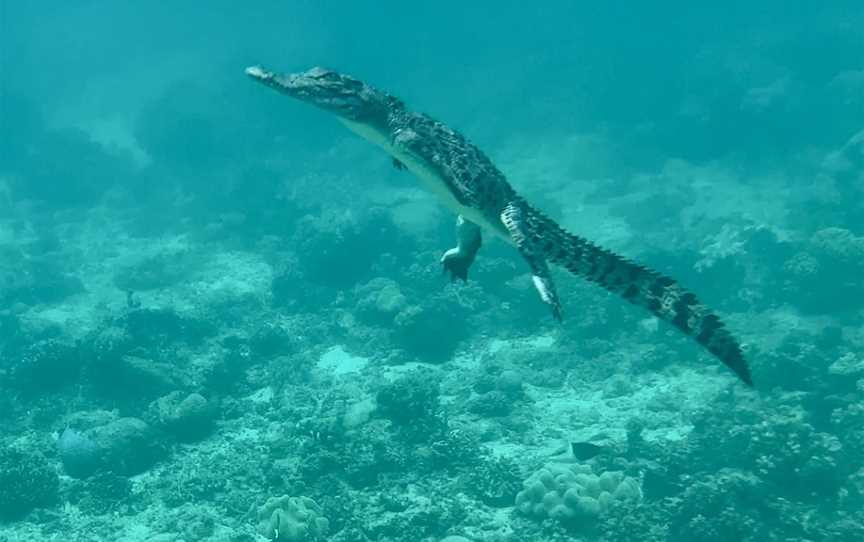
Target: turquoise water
{"points": [[223, 316]]}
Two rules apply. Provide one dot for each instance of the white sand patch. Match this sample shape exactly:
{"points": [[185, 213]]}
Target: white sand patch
{"points": [[116, 132], [664, 403], [262, 396], [504, 346], [338, 362], [209, 276]]}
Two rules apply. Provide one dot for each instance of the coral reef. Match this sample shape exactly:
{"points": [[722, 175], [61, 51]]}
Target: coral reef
{"points": [[822, 273], [207, 299], [496, 482], [329, 240], [188, 417], [123, 446], [27, 481], [44, 366], [410, 399], [574, 496], [292, 519]]}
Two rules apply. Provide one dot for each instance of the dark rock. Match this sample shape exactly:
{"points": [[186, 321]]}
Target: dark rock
{"points": [[127, 446], [228, 373], [86, 169], [102, 493], [27, 481], [188, 417], [133, 377], [44, 366], [34, 281], [155, 327], [81, 457], [432, 331], [145, 374], [271, 340], [107, 444], [494, 404], [156, 272], [511, 383], [409, 399], [329, 243], [108, 344]]}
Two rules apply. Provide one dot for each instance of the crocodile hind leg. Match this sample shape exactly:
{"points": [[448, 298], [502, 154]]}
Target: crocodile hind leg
{"points": [[457, 260], [513, 218]]}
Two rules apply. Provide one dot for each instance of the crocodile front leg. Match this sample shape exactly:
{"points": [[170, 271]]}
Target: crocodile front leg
{"points": [[458, 260]]}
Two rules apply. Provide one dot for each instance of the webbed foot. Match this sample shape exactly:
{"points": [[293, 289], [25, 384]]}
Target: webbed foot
{"points": [[457, 263], [457, 260]]}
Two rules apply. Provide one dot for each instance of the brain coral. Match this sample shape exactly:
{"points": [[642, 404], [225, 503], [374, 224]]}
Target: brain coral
{"points": [[292, 519], [574, 495]]}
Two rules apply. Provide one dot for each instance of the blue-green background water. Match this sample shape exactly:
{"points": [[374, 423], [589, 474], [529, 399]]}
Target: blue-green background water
{"points": [[222, 315]]}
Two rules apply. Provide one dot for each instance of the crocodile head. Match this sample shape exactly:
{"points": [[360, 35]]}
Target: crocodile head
{"points": [[344, 96]]}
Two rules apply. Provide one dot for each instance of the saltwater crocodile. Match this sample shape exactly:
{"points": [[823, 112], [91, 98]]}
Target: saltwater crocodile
{"points": [[467, 181]]}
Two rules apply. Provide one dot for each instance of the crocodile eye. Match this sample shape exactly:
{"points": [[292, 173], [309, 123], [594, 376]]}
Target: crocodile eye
{"points": [[352, 84]]}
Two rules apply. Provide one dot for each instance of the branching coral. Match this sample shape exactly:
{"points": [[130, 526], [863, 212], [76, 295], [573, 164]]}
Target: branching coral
{"points": [[495, 481], [27, 481], [410, 398]]}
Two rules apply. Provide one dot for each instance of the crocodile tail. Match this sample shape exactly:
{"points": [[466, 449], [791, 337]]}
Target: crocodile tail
{"points": [[660, 295]]}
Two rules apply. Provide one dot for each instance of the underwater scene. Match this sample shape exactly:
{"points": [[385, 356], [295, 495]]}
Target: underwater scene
{"points": [[443, 271]]}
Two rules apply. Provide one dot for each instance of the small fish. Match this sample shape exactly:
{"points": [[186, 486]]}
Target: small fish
{"points": [[576, 451], [587, 450], [132, 301]]}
